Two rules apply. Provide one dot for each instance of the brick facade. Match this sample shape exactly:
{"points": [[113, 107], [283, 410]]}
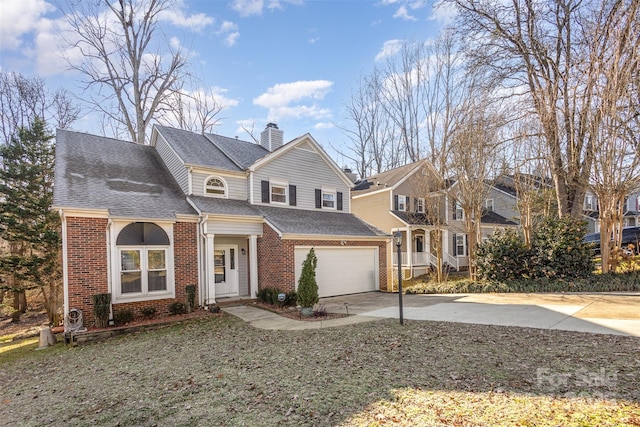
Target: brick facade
{"points": [[86, 263], [87, 266], [280, 271]]}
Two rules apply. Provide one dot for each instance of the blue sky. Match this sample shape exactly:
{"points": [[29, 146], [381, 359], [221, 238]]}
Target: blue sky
{"points": [[291, 62]]}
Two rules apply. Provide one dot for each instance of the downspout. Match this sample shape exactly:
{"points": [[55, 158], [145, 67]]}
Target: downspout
{"points": [[201, 259], [109, 256], [65, 268]]}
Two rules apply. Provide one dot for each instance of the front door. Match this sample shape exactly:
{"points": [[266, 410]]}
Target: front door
{"points": [[225, 265]]}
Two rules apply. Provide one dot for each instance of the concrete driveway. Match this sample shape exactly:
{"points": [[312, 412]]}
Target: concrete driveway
{"points": [[605, 313]]}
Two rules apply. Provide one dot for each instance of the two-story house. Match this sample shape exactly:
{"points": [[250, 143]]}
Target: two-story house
{"points": [[631, 211], [230, 216], [413, 200]]}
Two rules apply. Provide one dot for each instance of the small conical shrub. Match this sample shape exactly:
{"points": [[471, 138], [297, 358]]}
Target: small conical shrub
{"points": [[307, 285]]}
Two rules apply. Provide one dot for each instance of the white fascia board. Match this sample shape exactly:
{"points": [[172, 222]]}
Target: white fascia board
{"points": [[357, 196], [399, 219], [214, 171], [82, 213], [273, 227], [235, 218], [187, 218], [139, 219]]}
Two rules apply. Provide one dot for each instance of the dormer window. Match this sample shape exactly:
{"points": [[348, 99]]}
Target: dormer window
{"points": [[215, 187]]}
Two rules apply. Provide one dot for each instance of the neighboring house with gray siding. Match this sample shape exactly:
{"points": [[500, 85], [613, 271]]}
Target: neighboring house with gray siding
{"points": [[226, 215]]}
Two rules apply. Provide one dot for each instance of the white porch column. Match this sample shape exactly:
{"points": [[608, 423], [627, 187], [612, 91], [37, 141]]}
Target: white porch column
{"points": [[410, 250], [253, 263], [210, 277]]}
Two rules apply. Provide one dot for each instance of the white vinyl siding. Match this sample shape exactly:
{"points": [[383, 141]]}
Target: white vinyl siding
{"points": [[307, 171], [236, 186], [175, 165]]}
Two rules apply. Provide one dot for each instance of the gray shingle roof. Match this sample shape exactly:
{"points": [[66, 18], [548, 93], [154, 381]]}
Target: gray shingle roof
{"points": [[310, 222], [243, 153], [127, 179], [494, 218], [385, 179], [213, 205], [195, 149]]}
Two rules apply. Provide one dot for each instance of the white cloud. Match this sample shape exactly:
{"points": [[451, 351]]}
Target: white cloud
{"points": [[324, 125], [297, 99], [389, 48], [248, 7], [229, 31], [403, 14], [20, 17], [443, 12], [178, 17]]}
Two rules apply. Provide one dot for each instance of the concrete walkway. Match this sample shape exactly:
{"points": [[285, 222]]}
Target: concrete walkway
{"points": [[605, 313]]}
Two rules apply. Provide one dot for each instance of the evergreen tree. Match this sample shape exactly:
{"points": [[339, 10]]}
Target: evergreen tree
{"points": [[26, 220], [307, 285]]}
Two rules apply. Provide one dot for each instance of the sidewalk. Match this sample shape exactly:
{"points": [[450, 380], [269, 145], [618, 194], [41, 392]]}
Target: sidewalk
{"points": [[606, 313]]}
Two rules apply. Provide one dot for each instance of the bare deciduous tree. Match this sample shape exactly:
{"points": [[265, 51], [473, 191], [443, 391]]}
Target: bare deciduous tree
{"points": [[543, 47], [130, 74], [474, 154], [23, 98], [616, 166]]}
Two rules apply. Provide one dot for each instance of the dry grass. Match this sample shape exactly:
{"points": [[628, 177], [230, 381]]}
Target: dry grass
{"points": [[220, 371]]}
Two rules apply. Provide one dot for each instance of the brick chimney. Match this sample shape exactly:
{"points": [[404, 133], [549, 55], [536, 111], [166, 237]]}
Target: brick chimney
{"points": [[271, 137]]}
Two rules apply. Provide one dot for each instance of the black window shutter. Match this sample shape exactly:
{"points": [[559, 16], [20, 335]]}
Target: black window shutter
{"points": [[466, 241], [318, 198], [455, 245], [339, 200], [395, 203], [265, 191], [292, 195], [415, 204]]}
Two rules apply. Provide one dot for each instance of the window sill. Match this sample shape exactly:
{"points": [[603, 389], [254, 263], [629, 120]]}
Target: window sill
{"points": [[138, 297]]}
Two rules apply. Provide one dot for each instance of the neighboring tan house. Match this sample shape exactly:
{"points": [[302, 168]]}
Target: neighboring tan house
{"points": [[142, 222], [405, 199]]}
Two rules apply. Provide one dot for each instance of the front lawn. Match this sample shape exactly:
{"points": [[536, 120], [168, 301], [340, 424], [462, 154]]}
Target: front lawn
{"points": [[222, 372]]}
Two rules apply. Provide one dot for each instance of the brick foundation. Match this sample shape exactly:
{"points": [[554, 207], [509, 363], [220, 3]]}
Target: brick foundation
{"points": [[280, 271]]}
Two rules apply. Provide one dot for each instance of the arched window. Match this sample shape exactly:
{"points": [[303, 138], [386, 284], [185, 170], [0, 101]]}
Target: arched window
{"points": [[145, 260], [215, 187]]}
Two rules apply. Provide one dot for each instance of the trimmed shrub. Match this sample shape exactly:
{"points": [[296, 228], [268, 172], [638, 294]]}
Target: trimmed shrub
{"points": [[190, 291], [122, 317], [503, 257], [148, 312], [177, 307], [307, 285], [101, 309]]}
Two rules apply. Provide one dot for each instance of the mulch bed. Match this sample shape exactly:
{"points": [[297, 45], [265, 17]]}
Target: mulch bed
{"points": [[294, 313]]}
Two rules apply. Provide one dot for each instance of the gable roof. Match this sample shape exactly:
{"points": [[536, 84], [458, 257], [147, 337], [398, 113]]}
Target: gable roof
{"points": [[242, 153], [318, 222], [304, 139], [123, 178], [389, 179], [196, 149], [494, 218]]}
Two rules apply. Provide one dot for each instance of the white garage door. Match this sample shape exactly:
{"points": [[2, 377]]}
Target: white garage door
{"points": [[342, 270]]}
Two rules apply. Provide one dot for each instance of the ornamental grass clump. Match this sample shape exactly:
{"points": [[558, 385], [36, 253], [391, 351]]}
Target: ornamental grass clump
{"points": [[307, 285]]}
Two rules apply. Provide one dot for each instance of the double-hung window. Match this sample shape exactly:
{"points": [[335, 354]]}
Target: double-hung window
{"points": [[402, 203], [328, 199], [278, 193], [144, 268], [420, 205], [459, 212], [460, 245]]}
